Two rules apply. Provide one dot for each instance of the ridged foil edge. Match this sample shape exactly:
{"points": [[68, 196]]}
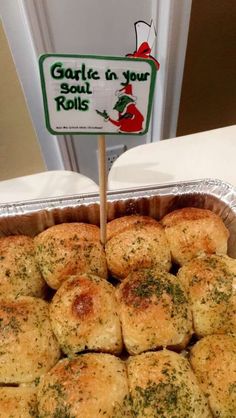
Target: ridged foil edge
{"points": [[32, 217]]}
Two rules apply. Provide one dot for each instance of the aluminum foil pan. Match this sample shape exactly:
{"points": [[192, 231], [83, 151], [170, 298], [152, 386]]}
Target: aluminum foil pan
{"points": [[32, 217]]}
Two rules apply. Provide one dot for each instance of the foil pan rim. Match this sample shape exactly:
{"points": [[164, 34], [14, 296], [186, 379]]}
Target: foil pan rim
{"points": [[215, 187]]}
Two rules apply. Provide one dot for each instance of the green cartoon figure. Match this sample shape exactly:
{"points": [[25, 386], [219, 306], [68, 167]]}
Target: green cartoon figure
{"points": [[130, 118]]}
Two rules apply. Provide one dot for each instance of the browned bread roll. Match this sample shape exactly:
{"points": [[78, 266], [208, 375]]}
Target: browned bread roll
{"points": [[18, 402], [28, 347], [154, 311], [118, 225], [67, 249], [88, 386], [136, 242], [84, 315], [192, 232], [163, 385], [19, 273], [211, 282], [214, 362]]}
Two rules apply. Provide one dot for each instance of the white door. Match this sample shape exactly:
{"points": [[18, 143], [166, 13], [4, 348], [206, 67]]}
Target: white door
{"points": [[100, 27]]}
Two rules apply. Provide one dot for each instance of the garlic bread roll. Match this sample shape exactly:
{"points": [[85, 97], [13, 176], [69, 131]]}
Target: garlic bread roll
{"points": [[212, 290], [138, 243], [67, 249], [154, 311], [214, 362], [18, 402], [84, 315], [28, 347], [192, 232], [88, 386], [19, 273], [162, 384], [118, 225]]}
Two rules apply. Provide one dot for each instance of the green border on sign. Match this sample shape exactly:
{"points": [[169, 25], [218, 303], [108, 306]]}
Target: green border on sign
{"points": [[107, 58]]}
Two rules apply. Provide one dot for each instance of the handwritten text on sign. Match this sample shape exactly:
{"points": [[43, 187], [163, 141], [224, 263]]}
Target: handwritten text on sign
{"points": [[85, 94]]}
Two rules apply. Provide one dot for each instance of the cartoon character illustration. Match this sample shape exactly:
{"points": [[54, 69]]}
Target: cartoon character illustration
{"points": [[145, 39], [130, 119]]}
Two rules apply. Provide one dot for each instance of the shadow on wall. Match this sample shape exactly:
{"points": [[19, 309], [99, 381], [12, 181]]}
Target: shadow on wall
{"points": [[208, 99], [19, 150]]}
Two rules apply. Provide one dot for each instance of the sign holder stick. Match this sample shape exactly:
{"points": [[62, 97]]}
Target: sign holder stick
{"points": [[102, 187]]}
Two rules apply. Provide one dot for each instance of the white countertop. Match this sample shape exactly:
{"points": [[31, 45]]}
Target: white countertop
{"points": [[45, 185], [210, 154]]}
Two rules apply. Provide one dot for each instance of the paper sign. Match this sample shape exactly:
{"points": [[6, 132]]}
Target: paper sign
{"points": [[97, 95]]}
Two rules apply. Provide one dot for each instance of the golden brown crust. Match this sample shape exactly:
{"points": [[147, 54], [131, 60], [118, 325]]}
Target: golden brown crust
{"points": [[19, 273], [141, 245], [211, 283], [18, 402], [192, 232], [214, 362], [118, 225], [84, 315], [68, 249], [28, 346], [88, 386], [187, 214], [154, 311], [162, 384]]}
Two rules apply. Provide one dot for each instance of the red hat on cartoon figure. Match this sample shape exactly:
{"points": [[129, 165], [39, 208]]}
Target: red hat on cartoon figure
{"points": [[127, 90]]}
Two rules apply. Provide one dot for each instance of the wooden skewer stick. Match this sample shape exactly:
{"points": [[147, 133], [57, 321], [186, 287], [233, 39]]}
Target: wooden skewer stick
{"points": [[102, 187]]}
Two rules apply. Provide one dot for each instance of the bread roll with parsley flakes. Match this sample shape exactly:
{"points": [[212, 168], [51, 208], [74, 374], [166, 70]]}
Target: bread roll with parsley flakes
{"points": [[192, 232], [19, 272], [212, 290], [67, 249], [213, 359], [118, 225], [135, 242], [162, 384], [84, 315], [28, 347], [88, 386], [154, 311], [18, 402]]}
